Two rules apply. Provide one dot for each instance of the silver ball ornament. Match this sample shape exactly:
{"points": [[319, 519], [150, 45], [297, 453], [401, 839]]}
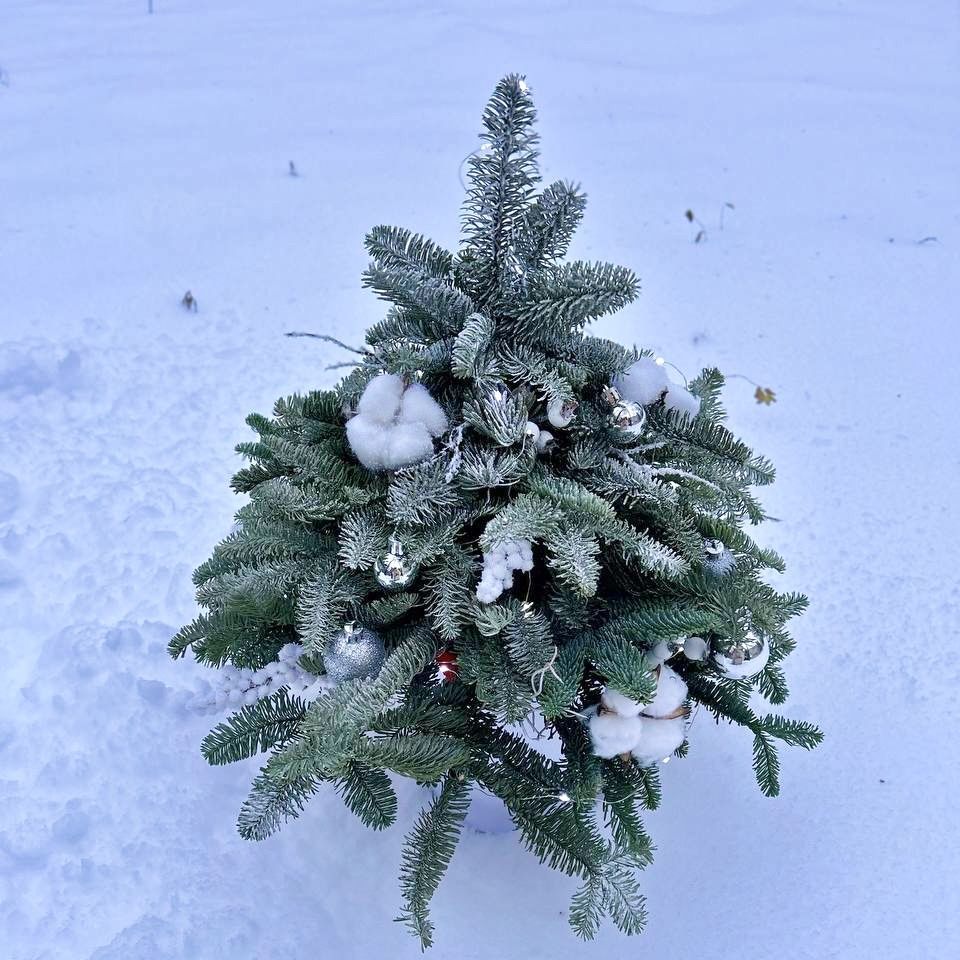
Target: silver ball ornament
{"points": [[742, 657], [531, 433], [561, 412], [355, 652], [393, 570], [626, 415], [718, 561]]}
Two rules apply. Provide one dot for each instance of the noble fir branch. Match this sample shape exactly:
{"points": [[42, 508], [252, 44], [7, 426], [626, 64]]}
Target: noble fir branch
{"points": [[428, 851], [367, 791], [254, 729]]}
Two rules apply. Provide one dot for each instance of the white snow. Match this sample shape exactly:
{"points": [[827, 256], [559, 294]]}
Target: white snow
{"points": [[143, 156]]}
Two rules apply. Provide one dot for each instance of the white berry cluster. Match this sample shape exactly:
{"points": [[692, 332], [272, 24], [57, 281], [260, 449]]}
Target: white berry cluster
{"points": [[395, 424], [648, 731], [237, 686], [499, 565], [646, 381]]}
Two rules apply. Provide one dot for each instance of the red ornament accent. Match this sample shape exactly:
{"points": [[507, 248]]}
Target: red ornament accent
{"points": [[447, 667]]}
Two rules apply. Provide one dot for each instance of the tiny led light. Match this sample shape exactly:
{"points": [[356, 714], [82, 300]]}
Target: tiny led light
{"points": [[659, 361]]}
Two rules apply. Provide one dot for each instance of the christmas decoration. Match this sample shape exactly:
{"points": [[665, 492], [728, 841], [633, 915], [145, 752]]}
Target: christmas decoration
{"points": [[246, 685], [394, 425], [560, 413], [580, 640], [741, 658], [393, 570], [696, 648], [718, 561], [545, 441], [354, 652], [681, 400], [643, 382], [661, 737], [625, 415], [499, 565], [447, 667]]}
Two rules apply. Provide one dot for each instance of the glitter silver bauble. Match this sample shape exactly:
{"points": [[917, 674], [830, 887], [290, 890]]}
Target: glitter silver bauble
{"points": [[561, 412], [393, 570], [718, 561], [742, 657], [356, 651]]}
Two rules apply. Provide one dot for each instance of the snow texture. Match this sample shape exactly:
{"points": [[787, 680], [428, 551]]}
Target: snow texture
{"points": [[147, 155]]}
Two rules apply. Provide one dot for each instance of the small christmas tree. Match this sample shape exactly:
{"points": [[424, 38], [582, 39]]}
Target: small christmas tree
{"points": [[496, 515]]}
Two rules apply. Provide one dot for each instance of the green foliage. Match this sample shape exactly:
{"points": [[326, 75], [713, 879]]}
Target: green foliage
{"points": [[617, 524], [428, 851], [254, 729]]}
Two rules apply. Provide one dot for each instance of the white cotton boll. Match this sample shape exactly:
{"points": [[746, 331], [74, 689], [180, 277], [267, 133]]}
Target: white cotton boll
{"points": [[368, 441], [620, 703], [251, 696], [260, 675], [417, 406], [234, 696], [613, 734], [659, 740], [526, 564], [514, 559], [507, 581], [498, 569], [408, 443], [643, 382], [681, 400], [221, 698], [671, 692], [380, 402]]}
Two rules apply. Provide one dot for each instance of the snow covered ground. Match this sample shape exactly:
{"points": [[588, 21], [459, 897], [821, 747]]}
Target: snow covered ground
{"points": [[141, 156]]}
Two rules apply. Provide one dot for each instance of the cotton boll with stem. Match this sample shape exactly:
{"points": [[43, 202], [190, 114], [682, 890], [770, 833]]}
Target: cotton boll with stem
{"points": [[670, 695], [613, 734], [368, 440], [620, 703], [660, 738], [680, 400], [380, 401], [417, 406], [407, 443], [644, 381]]}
